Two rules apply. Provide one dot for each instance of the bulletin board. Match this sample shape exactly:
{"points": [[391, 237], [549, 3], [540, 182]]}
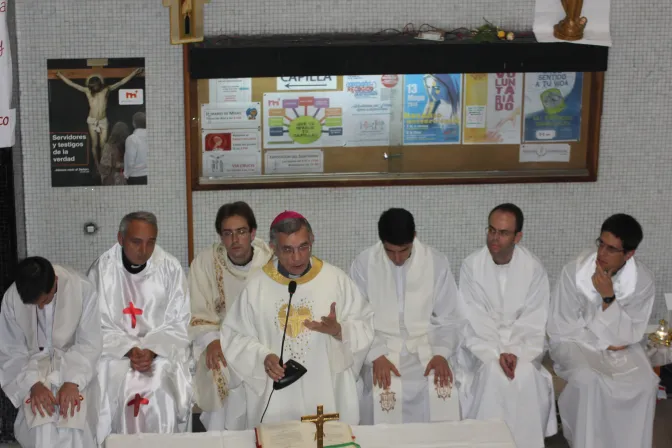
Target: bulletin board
{"points": [[546, 133]]}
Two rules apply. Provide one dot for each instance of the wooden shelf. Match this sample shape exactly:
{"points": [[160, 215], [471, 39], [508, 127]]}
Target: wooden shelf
{"points": [[370, 54]]}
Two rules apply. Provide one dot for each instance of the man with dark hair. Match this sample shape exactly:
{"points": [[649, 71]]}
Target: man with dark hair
{"points": [[417, 322], [600, 309], [144, 306], [217, 275], [50, 342], [331, 347], [506, 293]]}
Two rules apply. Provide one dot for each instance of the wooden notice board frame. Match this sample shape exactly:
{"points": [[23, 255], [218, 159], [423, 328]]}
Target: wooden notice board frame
{"points": [[402, 165]]}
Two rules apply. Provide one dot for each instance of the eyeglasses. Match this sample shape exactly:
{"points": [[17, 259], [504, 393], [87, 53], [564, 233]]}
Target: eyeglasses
{"points": [[610, 249], [239, 232], [503, 233], [289, 250]]}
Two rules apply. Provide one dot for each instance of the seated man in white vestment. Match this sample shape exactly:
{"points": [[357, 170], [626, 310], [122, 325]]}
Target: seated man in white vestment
{"points": [[216, 277], [506, 293], [144, 306], [50, 342], [599, 313], [418, 324], [329, 328]]}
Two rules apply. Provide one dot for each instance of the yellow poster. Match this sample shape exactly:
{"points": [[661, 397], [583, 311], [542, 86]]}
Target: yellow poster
{"points": [[492, 108]]}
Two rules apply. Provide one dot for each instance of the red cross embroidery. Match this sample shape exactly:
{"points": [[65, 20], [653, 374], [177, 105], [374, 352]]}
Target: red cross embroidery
{"points": [[133, 311], [136, 402]]}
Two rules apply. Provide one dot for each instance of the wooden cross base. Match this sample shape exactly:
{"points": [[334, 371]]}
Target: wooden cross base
{"points": [[319, 420]]}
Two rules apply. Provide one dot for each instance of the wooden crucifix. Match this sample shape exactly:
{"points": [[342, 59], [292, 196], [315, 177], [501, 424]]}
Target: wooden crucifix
{"points": [[319, 420], [186, 20]]}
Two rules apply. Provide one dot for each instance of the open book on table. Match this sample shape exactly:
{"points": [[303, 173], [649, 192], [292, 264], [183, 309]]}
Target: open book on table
{"points": [[304, 435]]}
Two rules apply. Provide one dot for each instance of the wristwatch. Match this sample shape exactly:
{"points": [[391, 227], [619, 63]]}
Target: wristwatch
{"points": [[608, 300]]}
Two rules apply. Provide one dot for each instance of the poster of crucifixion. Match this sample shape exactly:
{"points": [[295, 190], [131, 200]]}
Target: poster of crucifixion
{"points": [[97, 122]]}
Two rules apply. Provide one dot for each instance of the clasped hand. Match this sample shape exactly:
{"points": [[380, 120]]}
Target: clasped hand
{"points": [[43, 401], [508, 363], [141, 360]]}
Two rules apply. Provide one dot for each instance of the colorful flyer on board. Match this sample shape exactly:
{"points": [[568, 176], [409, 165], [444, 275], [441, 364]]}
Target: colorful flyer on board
{"points": [[432, 109], [231, 152], [553, 106], [492, 108], [304, 119]]}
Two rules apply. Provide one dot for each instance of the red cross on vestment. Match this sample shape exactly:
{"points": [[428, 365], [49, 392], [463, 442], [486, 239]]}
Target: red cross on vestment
{"points": [[136, 402], [133, 311]]}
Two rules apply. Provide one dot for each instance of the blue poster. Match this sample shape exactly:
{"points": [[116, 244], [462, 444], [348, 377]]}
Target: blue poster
{"points": [[553, 107], [432, 109]]}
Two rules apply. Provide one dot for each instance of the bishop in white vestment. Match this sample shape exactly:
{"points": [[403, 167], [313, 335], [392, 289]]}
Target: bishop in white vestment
{"points": [[329, 331], [52, 344], [506, 293], [595, 334], [144, 368], [418, 324], [216, 278]]}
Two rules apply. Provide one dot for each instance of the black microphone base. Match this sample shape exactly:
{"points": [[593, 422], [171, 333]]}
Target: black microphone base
{"points": [[293, 371]]}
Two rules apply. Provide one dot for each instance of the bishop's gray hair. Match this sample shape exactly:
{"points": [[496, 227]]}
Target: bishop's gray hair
{"points": [[148, 217], [289, 226]]}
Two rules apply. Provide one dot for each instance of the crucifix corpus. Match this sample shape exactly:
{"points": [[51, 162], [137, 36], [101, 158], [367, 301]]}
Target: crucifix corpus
{"points": [[186, 20], [319, 420], [571, 27]]}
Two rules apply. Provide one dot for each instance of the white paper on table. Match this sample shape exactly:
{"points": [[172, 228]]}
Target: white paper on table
{"points": [[547, 13], [388, 403], [444, 402]]}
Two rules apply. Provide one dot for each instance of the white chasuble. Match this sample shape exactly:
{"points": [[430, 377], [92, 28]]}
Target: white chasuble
{"points": [[417, 315], [59, 344], [214, 284], [148, 310], [507, 309], [253, 328], [610, 397]]}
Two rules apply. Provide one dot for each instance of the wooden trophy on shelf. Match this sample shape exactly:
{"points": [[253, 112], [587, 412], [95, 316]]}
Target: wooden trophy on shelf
{"points": [[571, 27], [186, 20]]}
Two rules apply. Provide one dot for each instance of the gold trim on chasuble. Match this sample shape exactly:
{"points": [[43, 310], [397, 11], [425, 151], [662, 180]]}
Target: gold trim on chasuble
{"points": [[315, 268], [220, 382], [219, 259], [196, 322], [297, 314]]}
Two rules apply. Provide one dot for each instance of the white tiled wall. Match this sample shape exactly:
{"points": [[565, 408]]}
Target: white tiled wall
{"points": [[561, 219]]}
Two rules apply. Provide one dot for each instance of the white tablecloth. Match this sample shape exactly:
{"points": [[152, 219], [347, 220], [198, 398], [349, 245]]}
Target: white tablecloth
{"points": [[464, 434]]}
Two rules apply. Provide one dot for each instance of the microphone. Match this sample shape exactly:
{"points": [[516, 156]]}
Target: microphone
{"points": [[293, 370]]}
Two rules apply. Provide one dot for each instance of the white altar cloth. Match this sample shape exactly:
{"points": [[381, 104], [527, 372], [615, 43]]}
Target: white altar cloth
{"points": [[463, 434]]}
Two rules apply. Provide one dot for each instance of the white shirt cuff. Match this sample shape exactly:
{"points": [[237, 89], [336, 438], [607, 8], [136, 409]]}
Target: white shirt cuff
{"points": [[203, 340]]}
